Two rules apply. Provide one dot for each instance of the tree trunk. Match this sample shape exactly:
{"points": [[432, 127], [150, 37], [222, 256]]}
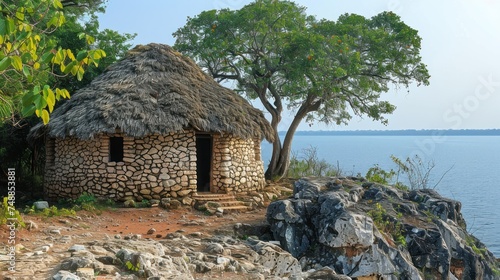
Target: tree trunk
{"points": [[276, 148], [281, 154]]}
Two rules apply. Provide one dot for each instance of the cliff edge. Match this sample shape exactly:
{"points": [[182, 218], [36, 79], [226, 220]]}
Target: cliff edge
{"points": [[365, 230]]}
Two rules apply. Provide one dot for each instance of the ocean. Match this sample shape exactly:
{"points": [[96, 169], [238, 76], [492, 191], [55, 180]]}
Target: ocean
{"points": [[473, 164]]}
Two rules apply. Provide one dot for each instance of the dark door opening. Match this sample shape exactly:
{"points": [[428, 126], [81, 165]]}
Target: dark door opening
{"points": [[203, 161]]}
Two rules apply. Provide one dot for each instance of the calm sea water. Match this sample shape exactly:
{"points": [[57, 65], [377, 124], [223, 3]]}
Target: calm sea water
{"points": [[474, 178]]}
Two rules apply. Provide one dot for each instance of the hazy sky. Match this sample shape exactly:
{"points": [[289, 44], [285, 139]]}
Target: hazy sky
{"points": [[461, 47]]}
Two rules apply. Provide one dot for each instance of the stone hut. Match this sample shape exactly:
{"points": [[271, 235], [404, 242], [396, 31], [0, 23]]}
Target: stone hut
{"points": [[153, 125]]}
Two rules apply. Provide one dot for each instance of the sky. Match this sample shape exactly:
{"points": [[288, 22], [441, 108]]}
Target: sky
{"points": [[460, 46]]}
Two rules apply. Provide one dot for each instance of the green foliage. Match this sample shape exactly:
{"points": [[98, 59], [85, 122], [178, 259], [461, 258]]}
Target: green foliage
{"points": [[323, 70], [28, 57], [475, 246], [114, 44], [496, 271], [68, 207], [310, 165], [378, 175], [131, 267], [15, 152], [80, 23], [385, 224], [430, 216], [143, 204], [52, 211], [85, 198], [9, 214], [89, 202]]}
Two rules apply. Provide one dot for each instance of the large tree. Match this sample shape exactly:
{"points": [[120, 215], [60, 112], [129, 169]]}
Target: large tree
{"points": [[29, 55], [323, 70], [80, 18]]}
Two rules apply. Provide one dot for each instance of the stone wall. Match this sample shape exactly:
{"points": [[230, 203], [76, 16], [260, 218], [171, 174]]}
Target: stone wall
{"points": [[153, 167], [237, 166]]}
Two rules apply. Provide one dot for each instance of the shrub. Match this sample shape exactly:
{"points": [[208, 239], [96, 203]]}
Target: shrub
{"points": [[417, 172], [9, 213], [92, 204], [310, 165], [144, 204], [85, 198], [52, 211], [385, 224], [378, 175]]}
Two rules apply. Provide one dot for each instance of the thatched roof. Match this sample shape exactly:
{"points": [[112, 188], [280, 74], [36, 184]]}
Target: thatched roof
{"points": [[154, 89]]}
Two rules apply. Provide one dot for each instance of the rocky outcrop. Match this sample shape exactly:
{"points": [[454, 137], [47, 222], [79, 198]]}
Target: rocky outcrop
{"points": [[178, 256], [371, 231]]}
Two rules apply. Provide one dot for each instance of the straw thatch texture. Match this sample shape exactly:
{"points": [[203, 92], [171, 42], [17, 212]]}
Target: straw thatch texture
{"points": [[154, 89]]}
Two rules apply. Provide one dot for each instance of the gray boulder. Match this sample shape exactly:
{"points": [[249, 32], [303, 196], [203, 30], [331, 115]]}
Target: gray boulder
{"points": [[40, 205], [279, 262], [362, 229]]}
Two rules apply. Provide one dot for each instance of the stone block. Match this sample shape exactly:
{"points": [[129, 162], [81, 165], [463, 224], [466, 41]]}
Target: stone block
{"points": [[176, 188], [183, 192], [152, 178], [145, 191], [168, 183], [187, 201], [40, 205], [157, 189]]}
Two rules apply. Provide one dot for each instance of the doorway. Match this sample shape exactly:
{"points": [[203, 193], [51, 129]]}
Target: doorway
{"points": [[203, 161]]}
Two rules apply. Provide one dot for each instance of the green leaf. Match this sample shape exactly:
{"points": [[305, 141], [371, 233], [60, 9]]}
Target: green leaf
{"points": [[20, 14], [58, 94], [28, 111], [39, 102], [45, 116], [90, 40], [65, 93], [17, 62], [26, 57], [96, 55], [11, 26], [57, 4], [59, 58], [36, 89], [28, 99], [23, 35], [70, 66], [79, 74], [47, 57], [81, 55], [52, 22], [26, 71], [3, 27], [51, 100], [4, 63]]}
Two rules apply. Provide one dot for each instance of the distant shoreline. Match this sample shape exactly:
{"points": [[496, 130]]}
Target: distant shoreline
{"points": [[403, 132]]}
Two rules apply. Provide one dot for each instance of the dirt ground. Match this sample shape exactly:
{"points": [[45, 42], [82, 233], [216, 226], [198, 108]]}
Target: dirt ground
{"points": [[154, 223], [125, 221]]}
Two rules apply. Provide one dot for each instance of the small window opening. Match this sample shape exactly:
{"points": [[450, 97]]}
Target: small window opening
{"points": [[115, 149]]}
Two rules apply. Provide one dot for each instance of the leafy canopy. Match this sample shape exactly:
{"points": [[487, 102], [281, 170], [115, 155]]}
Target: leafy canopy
{"points": [[29, 57], [328, 69], [322, 70]]}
